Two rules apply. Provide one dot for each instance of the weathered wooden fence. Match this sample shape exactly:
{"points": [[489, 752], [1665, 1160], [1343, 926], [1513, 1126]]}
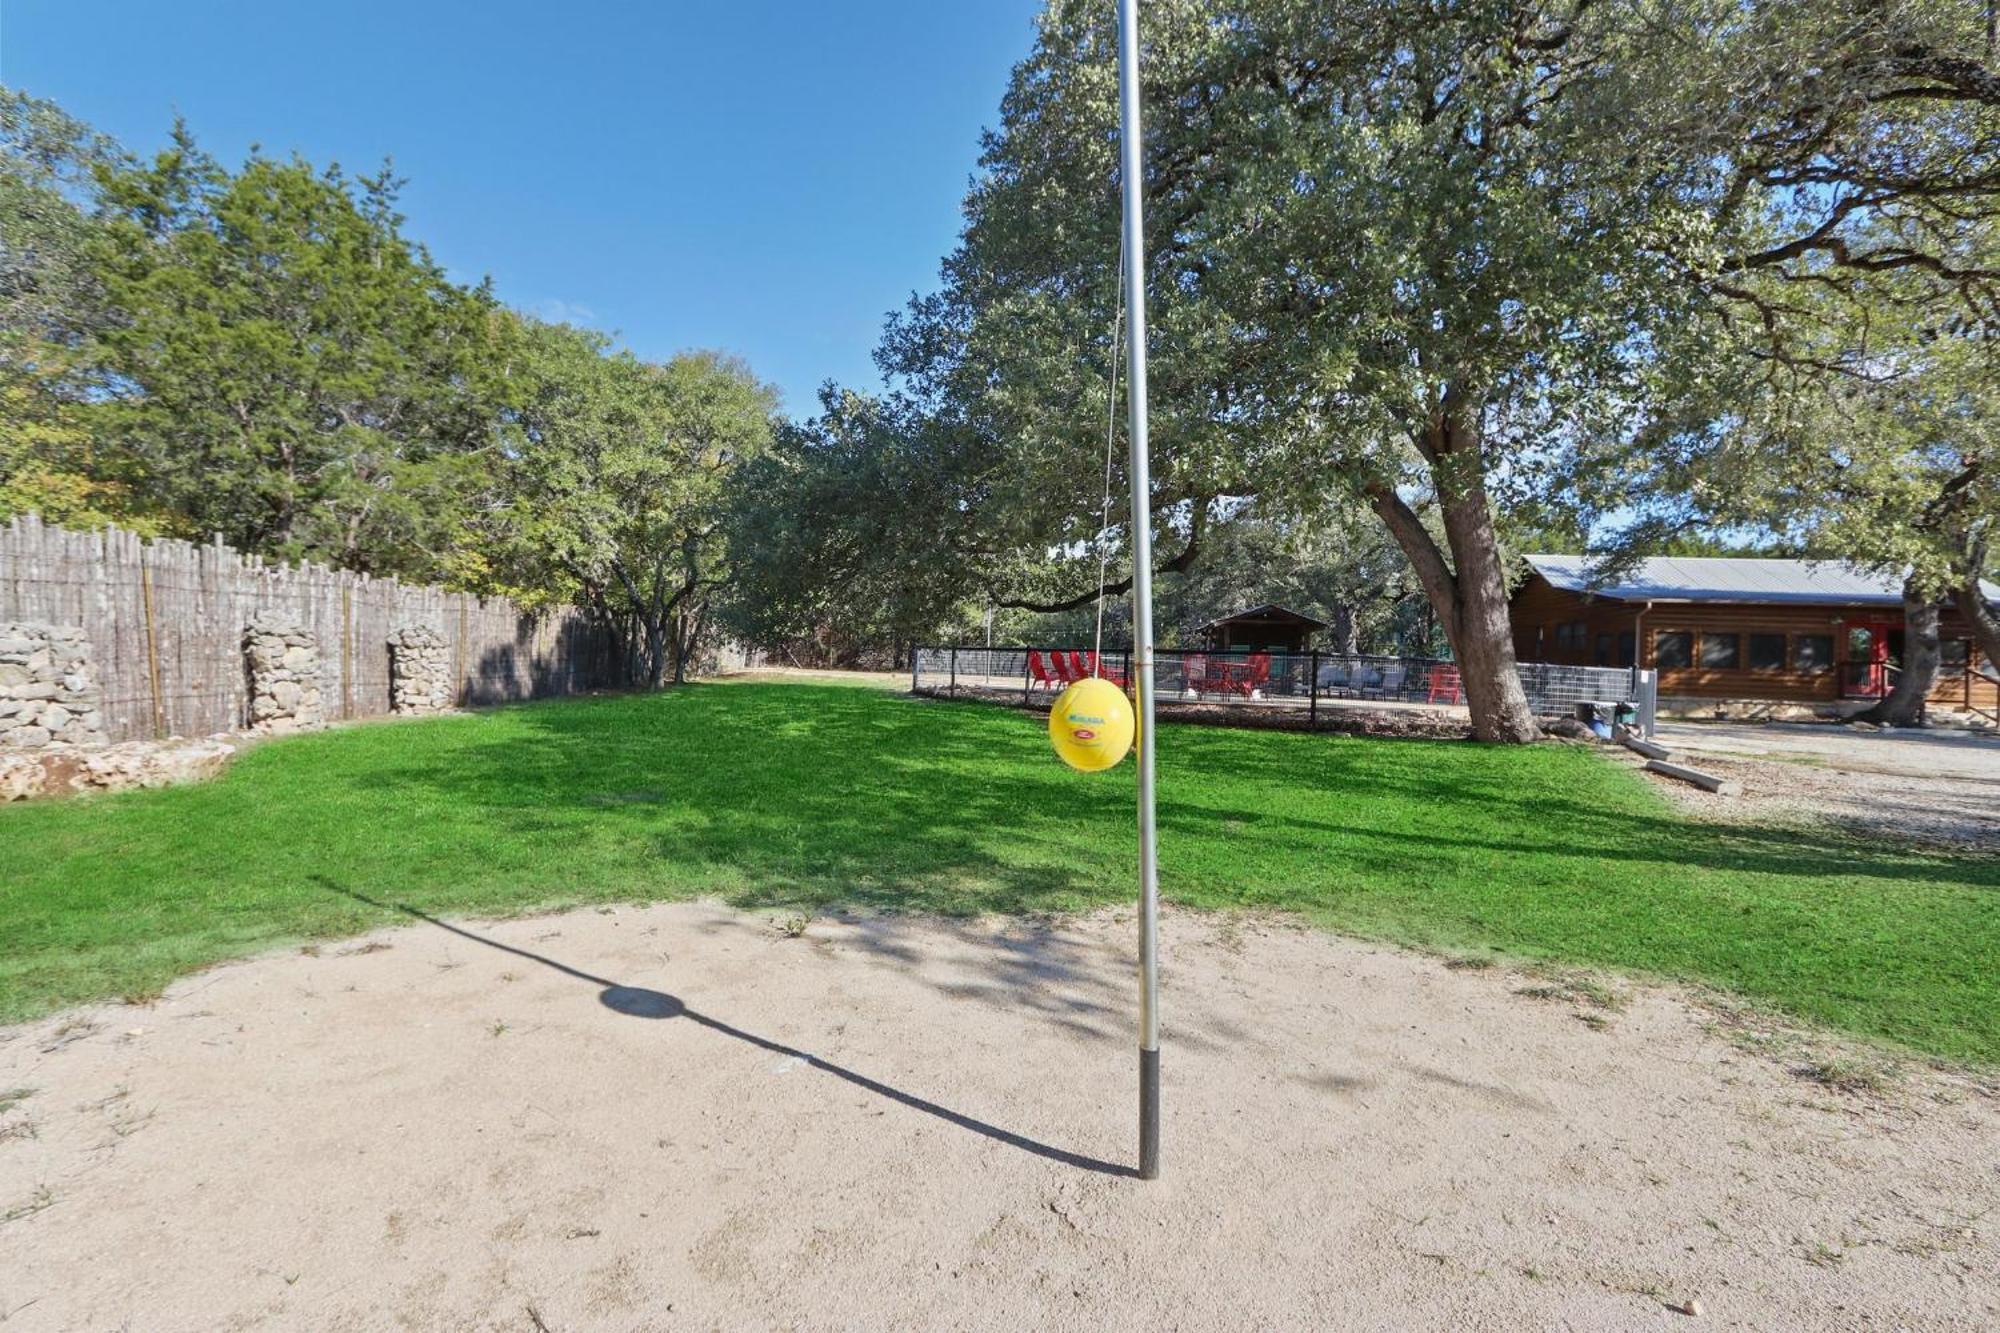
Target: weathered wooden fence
{"points": [[166, 620]]}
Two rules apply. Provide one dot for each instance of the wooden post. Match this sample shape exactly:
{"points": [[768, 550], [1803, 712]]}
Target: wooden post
{"points": [[152, 646], [1312, 709], [346, 647], [1706, 781], [954, 671]]}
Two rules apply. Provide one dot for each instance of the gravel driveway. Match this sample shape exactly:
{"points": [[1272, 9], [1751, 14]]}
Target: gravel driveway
{"points": [[1937, 787]]}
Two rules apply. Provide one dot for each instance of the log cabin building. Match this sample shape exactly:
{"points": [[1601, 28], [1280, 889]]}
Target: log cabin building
{"points": [[1747, 636]]}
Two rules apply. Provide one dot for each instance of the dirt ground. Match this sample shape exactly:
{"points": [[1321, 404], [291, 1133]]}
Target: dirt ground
{"points": [[683, 1116], [1935, 786]]}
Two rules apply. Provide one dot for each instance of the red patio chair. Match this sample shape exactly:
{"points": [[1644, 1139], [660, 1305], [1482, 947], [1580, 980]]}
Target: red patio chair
{"points": [[1209, 677], [1039, 676], [1445, 684], [1098, 667], [1259, 673]]}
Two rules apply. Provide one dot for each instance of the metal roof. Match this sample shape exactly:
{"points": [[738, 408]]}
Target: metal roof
{"points": [[1268, 611], [1733, 579]]}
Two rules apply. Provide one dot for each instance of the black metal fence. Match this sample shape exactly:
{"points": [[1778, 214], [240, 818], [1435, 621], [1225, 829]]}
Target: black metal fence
{"points": [[1275, 680]]}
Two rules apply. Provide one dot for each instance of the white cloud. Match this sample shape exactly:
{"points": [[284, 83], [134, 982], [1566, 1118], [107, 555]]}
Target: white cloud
{"points": [[558, 311]]}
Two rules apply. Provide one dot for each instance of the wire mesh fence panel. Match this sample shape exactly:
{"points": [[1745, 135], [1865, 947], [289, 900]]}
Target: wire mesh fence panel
{"points": [[1271, 679], [1555, 689]]}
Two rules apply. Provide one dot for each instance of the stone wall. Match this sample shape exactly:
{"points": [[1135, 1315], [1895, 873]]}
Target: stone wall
{"points": [[57, 770], [283, 660], [48, 690], [165, 621], [420, 671]]}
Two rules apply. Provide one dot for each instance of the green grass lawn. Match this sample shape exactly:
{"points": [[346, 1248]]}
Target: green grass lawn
{"points": [[793, 794]]}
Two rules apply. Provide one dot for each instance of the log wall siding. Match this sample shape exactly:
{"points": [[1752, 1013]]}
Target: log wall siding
{"points": [[166, 620], [1539, 608]]}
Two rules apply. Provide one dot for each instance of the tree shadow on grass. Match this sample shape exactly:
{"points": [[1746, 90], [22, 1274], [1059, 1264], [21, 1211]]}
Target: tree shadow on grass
{"points": [[801, 796], [792, 795], [642, 1002]]}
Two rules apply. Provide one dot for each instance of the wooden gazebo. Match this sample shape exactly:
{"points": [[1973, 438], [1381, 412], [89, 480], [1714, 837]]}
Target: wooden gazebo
{"points": [[1269, 627]]}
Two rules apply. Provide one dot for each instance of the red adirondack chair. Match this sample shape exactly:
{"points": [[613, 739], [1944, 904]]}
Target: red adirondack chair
{"points": [[1446, 685], [1090, 664], [1099, 667], [1039, 676], [1194, 673]]}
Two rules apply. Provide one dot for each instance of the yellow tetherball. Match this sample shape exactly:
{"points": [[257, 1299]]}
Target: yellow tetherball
{"points": [[1091, 725]]}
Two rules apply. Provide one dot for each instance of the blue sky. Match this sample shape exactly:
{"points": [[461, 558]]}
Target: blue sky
{"points": [[769, 177]]}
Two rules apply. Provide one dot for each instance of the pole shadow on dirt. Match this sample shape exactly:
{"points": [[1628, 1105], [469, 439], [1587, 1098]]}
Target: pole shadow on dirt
{"points": [[641, 1002]]}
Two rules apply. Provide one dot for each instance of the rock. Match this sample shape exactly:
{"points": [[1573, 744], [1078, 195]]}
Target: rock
{"points": [[60, 772], [55, 717], [26, 738], [1690, 1307], [284, 666], [19, 779], [420, 671], [13, 676]]}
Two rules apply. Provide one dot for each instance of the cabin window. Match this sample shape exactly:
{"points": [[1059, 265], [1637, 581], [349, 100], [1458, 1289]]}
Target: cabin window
{"points": [[1721, 652], [1767, 652], [1628, 644], [1603, 652], [1955, 654], [1673, 648], [1573, 637], [1812, 652]]}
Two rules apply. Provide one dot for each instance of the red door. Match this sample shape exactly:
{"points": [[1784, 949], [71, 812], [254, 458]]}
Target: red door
{"points": [[1867, 670]]}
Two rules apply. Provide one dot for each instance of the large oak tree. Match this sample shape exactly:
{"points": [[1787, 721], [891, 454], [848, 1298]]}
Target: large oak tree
{"points": [[1444, 257]]}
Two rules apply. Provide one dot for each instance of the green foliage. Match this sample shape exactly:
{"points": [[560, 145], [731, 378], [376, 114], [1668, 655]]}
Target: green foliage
{"points": [[52, 310], [858, 796], [618, 479], [295, 374], [843, 539], [1870, 433], [262, 353], [1369, 228], [1340, 568], [1461, 263]]}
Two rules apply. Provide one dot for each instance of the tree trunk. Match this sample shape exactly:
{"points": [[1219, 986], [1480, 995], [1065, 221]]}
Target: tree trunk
{"points": [[687, 637], [1903, 706], [1346, 631], [656, 653], [1470, 598], [1971, 604]]}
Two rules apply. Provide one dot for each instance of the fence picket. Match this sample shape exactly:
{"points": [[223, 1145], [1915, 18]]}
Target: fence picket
{"points": [[165, 618]]}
